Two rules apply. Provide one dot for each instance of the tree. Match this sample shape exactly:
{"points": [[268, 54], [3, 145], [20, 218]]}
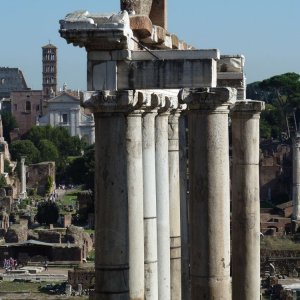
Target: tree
{"points": [[48, 151], [47, 212], [24, 148], [81, 170], [9, 123], [66, 144], [2, 181], [282, 94]]}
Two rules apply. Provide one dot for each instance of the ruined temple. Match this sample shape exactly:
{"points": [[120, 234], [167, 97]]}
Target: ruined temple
{"points": [[143, 83]]}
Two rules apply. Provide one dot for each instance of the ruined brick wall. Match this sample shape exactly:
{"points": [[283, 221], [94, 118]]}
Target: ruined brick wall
{"points": [[84, 276], [284, 261], [48, 236], [37, 175], [16, 233], [6, 203]]}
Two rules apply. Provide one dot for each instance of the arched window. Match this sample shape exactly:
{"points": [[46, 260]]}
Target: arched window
{"points": [[28, 106]]}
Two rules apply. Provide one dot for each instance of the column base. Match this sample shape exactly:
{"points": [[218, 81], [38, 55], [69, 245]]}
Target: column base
{"points": [[23, 195]]}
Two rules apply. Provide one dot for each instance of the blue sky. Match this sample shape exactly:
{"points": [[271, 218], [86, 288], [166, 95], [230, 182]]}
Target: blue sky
{"points": [[267, 32]]}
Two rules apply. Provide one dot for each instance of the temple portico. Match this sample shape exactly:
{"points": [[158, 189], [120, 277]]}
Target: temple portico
{"points": [[155, 237]]}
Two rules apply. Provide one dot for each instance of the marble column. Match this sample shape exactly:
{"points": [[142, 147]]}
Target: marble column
{"points": [[135, 205], [1, 162], [119, 261], [150, 219], [174, 194], [23, 193], [162, 203], [296, 178], [245, 200], [184, 219], [209, 203]]}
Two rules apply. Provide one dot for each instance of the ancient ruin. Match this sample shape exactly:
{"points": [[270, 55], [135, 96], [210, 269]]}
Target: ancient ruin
{"points": [[142, 83]]}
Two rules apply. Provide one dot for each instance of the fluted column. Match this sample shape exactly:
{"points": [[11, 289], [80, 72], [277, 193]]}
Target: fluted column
{"points": [[174, 194], [209, 191], [296, 178], [162, 203], [119, 259], [150, 219], [245, 201]]}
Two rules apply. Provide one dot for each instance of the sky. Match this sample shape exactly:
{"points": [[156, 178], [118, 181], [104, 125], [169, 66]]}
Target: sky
{"points": [[266, 32]]}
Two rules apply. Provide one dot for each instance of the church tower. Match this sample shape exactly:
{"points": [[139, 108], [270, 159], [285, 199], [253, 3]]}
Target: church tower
{"points": [[49, 53]]}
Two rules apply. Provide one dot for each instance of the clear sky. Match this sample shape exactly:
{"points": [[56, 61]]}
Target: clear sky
{"points": [[267, 32]]}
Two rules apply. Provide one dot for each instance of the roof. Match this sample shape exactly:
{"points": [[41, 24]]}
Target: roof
{"points": [[285, 205], [49, 46], [37, 243], [61, 96]]}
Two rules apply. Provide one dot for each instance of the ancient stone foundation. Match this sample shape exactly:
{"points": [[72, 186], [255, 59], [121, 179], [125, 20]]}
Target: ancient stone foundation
{"points": [[152, 241]]}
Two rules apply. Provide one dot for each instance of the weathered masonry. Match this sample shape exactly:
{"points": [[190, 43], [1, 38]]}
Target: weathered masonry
{"points": [[142, 82]]}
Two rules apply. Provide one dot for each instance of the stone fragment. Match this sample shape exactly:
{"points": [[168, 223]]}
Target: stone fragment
{"points": [[141, 26]]}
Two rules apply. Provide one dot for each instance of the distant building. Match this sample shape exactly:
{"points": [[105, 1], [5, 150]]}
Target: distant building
{"points": [[49, 55], [64, 110], [11, 79], [26, 107]]}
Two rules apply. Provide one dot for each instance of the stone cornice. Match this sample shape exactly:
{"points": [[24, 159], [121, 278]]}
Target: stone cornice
{"points": [[97, 31], [208, 98]]}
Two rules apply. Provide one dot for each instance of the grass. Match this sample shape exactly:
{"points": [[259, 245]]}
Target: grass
{"points": [[20, 287], [69, 198], [278, 243]]}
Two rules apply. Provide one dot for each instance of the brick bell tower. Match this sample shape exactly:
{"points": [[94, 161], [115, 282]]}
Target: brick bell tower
{"points": [[49, 53]]}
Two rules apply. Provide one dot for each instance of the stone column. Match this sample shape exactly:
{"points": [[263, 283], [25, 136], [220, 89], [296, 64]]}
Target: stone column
{"points": [[162, 203], [119, 259], [184, 220], [174, 194], [296, 178], [135, 205], [209, 203], [245, 200], [150, 219], [23, 193], [1, 162]]}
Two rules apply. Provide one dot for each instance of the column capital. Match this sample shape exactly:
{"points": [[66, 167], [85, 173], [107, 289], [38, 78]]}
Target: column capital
{"points": [[110, 101], [248, 106], [210, 98]]}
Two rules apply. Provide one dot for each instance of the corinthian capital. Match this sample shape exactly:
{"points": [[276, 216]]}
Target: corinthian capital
{"points": [[208, 98]]}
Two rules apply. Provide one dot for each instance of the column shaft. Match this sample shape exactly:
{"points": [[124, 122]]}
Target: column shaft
{"points": [[245, 201], [111, 208], [174, 194], [209, 205], [184, 220], [135, 205], [162, 203], [150, 220]]}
